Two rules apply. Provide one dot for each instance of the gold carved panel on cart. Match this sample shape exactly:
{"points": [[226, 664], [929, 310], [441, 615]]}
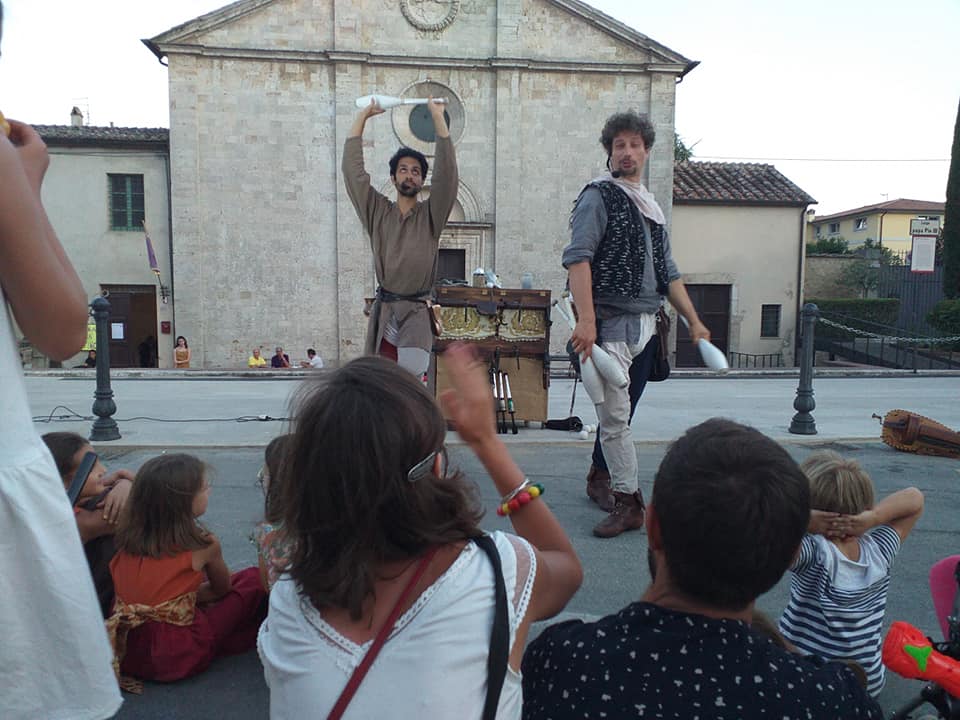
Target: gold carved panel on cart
{"points": [[508, 329], [466, 323], [523, 324]]}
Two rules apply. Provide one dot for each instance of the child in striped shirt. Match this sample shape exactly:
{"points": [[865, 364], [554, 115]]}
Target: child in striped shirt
{"points": [[838, 592]]}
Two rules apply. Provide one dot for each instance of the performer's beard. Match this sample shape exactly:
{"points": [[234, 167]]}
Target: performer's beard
{"points": [[408, 189]]}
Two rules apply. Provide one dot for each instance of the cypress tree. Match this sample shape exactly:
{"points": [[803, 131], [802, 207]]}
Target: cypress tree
{"points": [[951, 221]]}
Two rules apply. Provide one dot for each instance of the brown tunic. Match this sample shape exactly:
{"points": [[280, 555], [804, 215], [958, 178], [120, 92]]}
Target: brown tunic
{"points": [[405, 248]]}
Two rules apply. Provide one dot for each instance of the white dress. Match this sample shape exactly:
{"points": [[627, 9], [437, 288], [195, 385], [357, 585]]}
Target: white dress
{"points": [[55, 659], [434, 663]]}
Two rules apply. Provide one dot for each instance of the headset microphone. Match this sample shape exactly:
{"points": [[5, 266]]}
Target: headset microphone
{"points": [[616, 173]]}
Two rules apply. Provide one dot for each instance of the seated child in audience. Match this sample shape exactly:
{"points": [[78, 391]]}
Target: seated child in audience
{"points": [[97, 509], [841, 575], [273, 547], [177, 606]]}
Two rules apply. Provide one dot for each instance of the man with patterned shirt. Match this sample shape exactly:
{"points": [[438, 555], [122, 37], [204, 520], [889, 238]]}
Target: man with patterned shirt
{"points": [[620, 268], [728, 511]]}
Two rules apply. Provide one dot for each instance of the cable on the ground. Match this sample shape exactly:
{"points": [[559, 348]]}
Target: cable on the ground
{"points": [[75, 416]]}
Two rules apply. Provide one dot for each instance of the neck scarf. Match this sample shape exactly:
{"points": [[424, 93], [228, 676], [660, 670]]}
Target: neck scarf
{"points": [[641, 197]]}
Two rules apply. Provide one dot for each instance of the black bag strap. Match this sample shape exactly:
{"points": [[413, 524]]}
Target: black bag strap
{"points": [[499, 636]]}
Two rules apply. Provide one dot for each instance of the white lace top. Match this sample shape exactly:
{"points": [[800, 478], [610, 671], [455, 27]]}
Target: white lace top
{"points": [[433, 665]]}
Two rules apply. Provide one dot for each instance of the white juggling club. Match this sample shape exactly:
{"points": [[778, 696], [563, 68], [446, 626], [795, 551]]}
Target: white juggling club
{"points": [[389, 101], [607, 367], [588, 371], [712, 357]]}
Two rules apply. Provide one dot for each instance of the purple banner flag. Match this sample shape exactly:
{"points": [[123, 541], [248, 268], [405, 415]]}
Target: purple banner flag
{"points": [[152, 256]]}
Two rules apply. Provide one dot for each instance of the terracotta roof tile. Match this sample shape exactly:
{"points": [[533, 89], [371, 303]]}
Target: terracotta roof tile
{"points": [[734, 184], [898, 205], [67, 135]]}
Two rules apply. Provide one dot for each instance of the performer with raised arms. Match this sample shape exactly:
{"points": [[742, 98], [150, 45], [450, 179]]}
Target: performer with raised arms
{"points": [[405, 238]]}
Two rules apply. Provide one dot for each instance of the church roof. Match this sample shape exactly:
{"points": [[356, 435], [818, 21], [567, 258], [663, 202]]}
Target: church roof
{"points": [[662, 55], [87, 135], [726, 183]]}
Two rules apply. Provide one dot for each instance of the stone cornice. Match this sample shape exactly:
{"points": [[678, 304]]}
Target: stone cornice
{"points": [[624, 32], [479, 63], [665, 59], [203, 24]]}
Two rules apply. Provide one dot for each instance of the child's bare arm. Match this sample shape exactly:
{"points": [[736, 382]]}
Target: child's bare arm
{"points": [[41, 285], [92, 524], [116, 500], [211, 562], [900, 510]]}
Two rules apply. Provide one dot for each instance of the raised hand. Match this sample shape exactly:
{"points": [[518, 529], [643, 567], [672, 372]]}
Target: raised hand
{"points": [[32, 153], [469, 403], [372, 109]]}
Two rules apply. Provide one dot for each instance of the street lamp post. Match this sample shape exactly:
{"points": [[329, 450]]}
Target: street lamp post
{"points": [[104, 427], [803, 423]]}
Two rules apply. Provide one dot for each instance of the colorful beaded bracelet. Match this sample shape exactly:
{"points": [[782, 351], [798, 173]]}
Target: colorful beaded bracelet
{"points": [[526, 495]]}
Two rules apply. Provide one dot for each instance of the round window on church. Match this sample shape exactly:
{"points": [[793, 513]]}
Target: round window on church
{"points": [[421, 123], [413, 124]]}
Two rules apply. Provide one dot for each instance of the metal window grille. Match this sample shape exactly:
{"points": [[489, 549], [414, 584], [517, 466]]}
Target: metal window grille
{"points": [[126, 202], [770, 321]]}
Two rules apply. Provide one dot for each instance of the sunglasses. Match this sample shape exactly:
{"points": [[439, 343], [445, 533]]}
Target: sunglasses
{"points": [[424, 468]]}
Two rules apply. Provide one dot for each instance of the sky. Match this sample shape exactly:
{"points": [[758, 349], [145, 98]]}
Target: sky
{"points": [[853, 100]]}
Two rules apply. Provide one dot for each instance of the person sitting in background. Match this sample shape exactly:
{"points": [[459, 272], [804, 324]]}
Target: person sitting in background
{"points": [[97, 508], [90, 361], [280, 359], [313, 360], [838, 593], [727, 514], [256, 360]]}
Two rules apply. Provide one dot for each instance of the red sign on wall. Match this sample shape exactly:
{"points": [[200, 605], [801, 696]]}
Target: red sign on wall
{"points": [[165, 327]]}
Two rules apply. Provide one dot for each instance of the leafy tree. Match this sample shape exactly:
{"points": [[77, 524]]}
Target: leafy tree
{"points": [[951, 220], [828, 246], [886, 257], [681, 153], [862, 275], [945, 317]]}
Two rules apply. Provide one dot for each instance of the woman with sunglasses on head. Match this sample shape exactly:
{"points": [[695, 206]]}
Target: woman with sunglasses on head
{"points": [[394, 603]]}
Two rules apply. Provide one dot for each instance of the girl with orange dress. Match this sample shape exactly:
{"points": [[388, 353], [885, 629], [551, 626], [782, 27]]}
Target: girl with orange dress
{"points": [[177, 605]]}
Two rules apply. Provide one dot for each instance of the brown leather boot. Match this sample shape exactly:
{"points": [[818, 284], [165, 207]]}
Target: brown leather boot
{"points": [[598, 488], [626, 515]]}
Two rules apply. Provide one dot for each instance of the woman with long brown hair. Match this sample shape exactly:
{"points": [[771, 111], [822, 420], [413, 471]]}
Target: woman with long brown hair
{"points": [[391, 573]]}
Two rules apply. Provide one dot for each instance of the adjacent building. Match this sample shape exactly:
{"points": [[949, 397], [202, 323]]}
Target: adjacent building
{"points": [[738, 238], [886, 224], [104, 187]]}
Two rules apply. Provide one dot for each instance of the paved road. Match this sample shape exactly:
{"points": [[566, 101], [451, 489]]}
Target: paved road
{"points": [[615, 570], [163, 409]]}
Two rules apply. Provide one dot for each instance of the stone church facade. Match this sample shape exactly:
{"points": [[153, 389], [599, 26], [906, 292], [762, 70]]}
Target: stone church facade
{"points": [[266, 246]]}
